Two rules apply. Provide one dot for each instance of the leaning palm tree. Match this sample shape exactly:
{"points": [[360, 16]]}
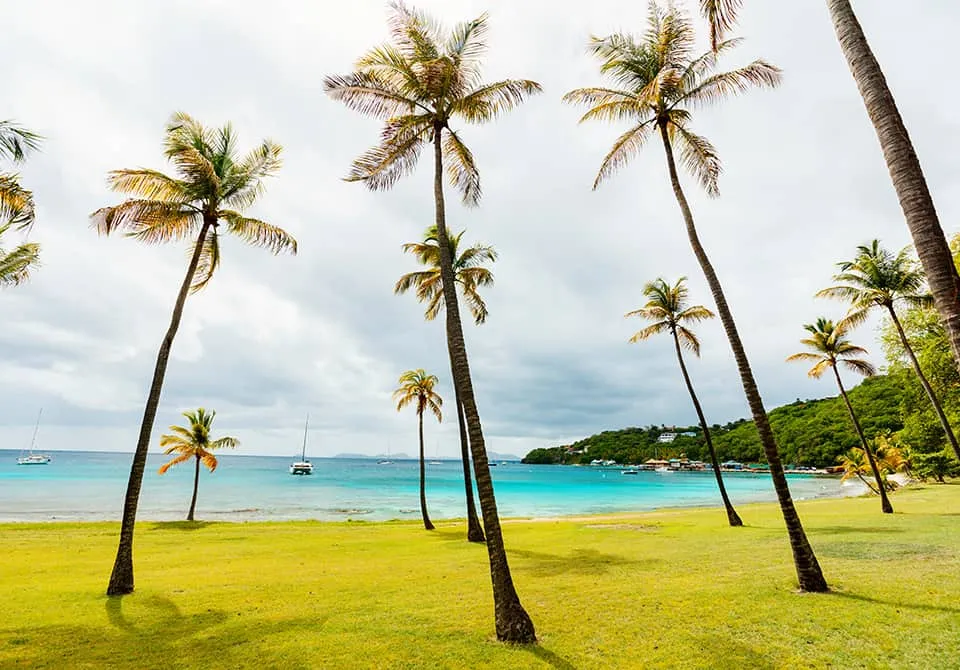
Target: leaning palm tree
{"points": [[658, 80], [417, 83], [194, 441], [17, 211], [877, 277], [470, 275], [416, 387], [829, 347], [669, 310], [214, 184], [905, 170]]}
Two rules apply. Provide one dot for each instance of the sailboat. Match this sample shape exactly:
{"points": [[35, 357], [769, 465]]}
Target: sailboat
{"points": [[303, 466], [386, 461], [436, 456], [32, 458]]}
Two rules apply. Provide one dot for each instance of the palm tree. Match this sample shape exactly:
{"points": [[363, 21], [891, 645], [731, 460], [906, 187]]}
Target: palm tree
{"points": [[417, 84], [194, 442], [416, 386], [659, 80], [213, 186], [470, 275], [670, 312], [17, 211], [828, 348], [878, 278], [905, 170]]}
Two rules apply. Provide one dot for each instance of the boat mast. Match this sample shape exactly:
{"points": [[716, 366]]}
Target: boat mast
{"points": [[303, 452], [36, 428]]}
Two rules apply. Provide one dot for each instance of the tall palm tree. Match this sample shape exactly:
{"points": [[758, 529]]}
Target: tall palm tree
{"points": [[905, 170], [470, 275], [17, 210], [659, 79], [417, 83], [829, 347], [877, 277], [214, 184], [416, 387], [194, 442], [669, 310]]}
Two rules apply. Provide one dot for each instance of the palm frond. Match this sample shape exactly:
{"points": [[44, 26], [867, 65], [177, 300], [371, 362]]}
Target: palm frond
{"points": [[369, 95], [16, 265], [149, 185], [413, 279], [490, 101], [208, 460], [182, 458], [244, 184], [149, 221], [859, 366], [414, 33], [209, 261], [650, 331], [16, 141], [699, 157], [259, 233], [721, 16], [688, 340], [695, 313], [381, 166], [475, 303], [626, 147], [757, 74], [16, 203], [461, 169]]}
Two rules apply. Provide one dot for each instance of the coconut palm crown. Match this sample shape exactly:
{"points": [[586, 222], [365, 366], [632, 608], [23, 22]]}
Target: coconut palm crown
{"points": [[669, 309], [877, 277], [829, 347], [416, 387], [656, 82], [417, 84], [17, 209], [212, 187], [467, 268]]}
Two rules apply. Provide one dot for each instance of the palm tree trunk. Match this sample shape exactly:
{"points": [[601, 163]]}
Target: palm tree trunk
{"points": [[474, 529], [513, 624], [809, 575], [884, 501], [732, 515], [904, 167], [121, 578], [926, 384], [423, 479], [196, 485]]}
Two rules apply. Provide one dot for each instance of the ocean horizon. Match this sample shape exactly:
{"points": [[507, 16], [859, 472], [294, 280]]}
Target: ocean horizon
{"points": [[89, 486]]}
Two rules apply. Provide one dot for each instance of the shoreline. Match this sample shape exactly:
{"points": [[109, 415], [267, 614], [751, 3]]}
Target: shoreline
{"points": [[355, 516]]}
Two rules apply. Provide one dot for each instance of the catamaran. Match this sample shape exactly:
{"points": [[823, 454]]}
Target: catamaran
{"points": [[32, 458], [303, 466]]}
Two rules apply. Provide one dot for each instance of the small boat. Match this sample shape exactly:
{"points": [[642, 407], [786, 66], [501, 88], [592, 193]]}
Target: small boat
{"points": [[303, 466], [631, 471], [386, 461], [32, 458]]}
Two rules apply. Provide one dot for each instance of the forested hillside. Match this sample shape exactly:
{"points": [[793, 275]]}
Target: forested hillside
{"points": [[809, 432]]}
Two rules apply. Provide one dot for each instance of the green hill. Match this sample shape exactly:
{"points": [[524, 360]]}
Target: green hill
{"points": [[809, 432]]}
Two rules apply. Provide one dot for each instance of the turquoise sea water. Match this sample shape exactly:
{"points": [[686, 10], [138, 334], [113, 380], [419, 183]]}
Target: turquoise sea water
{"points": [[90, 486]]}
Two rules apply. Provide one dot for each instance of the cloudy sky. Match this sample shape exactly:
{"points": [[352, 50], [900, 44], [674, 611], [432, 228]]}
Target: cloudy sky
{"points": [[275, 337]]}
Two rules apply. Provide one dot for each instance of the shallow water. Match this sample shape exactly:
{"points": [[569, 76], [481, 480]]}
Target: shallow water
{"points": [[90, 486]]}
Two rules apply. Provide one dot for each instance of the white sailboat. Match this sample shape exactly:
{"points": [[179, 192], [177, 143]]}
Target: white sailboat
{"points": [[303, 466], [436, 456], [386, 461], [32, 458]]}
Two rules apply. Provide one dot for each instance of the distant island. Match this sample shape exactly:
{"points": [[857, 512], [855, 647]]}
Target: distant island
{"points": [[491, 455], [809, 433]]}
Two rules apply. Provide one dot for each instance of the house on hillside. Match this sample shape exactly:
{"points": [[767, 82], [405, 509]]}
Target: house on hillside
{"points": [[666, 438]]}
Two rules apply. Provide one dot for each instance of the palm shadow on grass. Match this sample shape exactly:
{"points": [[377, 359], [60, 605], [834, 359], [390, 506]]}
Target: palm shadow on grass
{"points": [[551, 658], [843, 530], [585, 561], [181, 525], [152, 630], [892, 603]]}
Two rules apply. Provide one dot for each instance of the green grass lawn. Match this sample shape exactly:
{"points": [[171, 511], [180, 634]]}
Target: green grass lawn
{"points": [[665, 589]]}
